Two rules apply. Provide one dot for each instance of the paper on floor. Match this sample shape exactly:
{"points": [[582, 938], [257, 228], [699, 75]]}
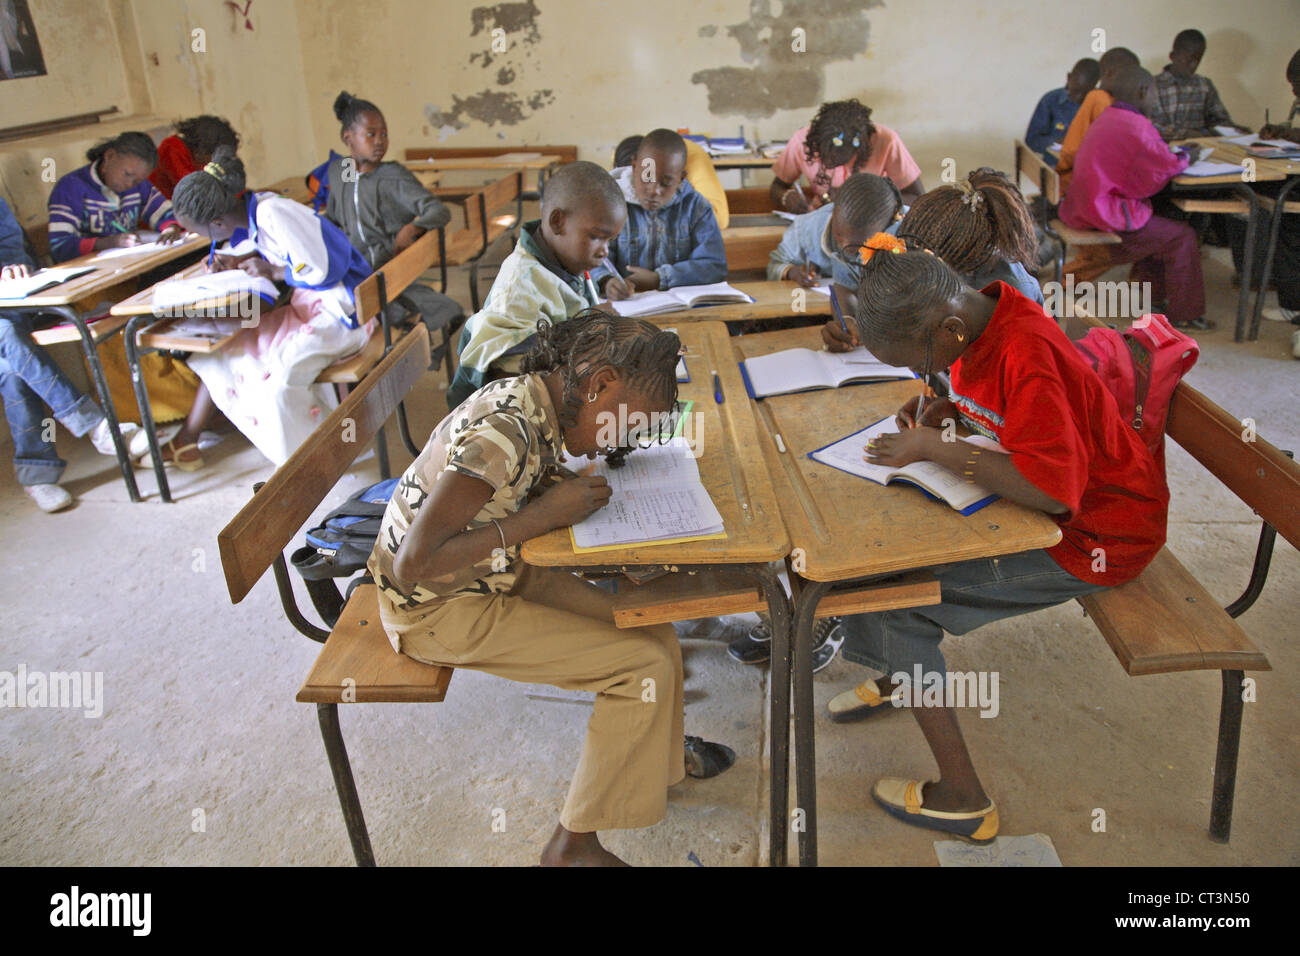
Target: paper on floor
{"points": [[1036, 849]]}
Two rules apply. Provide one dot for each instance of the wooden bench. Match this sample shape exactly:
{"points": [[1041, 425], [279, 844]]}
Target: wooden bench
{"points": [[749, 247], [357, 664], [1164, 621], [1029, 163], [491, 212], [749, 201]]}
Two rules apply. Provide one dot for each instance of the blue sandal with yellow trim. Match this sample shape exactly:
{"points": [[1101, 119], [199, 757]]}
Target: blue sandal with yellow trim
{"points": [[902, 799]]}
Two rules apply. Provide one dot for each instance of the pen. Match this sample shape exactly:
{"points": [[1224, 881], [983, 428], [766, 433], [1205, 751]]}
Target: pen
{"points": [[920, 400], [835, 305], [591, 288], [717, 388], [212, 251]]}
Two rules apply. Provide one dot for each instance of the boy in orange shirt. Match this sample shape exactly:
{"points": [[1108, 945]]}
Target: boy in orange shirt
{"points": [[1111, 62]]}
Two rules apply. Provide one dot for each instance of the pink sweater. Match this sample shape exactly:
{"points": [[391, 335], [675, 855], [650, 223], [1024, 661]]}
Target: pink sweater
{"points": [[1121, 162]]}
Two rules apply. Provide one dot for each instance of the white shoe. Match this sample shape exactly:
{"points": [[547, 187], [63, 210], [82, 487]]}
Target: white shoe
{"points": [[1280, 315], [102, 439], [1295, 343], [49, 497]]}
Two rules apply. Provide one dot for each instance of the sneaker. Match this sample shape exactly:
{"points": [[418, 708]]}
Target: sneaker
{"points": [[756, 646], [1295, 343], [1281, 315], [137, 442], [1196, 325], [49, 497]]}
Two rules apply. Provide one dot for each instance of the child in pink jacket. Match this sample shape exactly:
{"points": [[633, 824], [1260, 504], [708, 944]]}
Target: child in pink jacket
{"points": [[1120, 165]]}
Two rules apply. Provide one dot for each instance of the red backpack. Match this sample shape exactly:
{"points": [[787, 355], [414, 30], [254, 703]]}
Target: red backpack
{"points": [[1141, 367]]}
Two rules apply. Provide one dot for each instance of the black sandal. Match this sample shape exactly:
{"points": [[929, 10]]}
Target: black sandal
{"points": [[706, 759]]}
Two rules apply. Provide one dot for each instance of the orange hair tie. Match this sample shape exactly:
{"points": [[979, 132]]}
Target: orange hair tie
{"points": [[880, 242]]}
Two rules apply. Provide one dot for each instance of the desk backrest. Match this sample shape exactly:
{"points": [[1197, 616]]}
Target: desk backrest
{"points": [[398, 273], [567, 154], [488, 200], [263, 528], [1043, 176]]}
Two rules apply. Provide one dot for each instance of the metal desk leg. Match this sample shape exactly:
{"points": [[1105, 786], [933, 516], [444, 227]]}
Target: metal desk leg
{"points": [[101, 386], [778, 610], [805, 733], [1276, 228], [142, 401], [1248, 255]]}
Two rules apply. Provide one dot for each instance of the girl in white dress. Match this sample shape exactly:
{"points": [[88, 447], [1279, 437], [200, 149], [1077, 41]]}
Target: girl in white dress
{"points": [[263, 379]]}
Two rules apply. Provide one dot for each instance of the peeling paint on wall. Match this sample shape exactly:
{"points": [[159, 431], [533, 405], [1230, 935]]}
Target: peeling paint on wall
{"points": [[505, 29], [790, 53]]}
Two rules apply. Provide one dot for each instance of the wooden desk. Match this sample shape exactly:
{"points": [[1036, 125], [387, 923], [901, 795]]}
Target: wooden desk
{"points": [[1266, 170], [71, 300], [844, 528], [539, 163], [772, 300], [291, 187], [732, 470]]}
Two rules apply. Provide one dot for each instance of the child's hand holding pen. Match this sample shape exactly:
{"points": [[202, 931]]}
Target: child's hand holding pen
{"points": [[927, 412]]}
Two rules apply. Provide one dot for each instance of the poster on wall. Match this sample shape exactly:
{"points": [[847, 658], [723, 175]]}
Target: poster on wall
{"points": [[20, 51]]}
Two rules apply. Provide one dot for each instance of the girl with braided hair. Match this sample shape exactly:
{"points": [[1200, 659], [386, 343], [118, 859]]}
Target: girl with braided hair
{"points": [[980, 226], [264, 379], [1017, 379], [453, 591], [841, 140]]}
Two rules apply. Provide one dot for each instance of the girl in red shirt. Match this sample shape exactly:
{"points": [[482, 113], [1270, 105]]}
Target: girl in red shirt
{"points": [[1016, 378]]}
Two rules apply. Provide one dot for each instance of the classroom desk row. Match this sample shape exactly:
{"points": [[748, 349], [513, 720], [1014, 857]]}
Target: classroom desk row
{"points": [[75, 301], [1285, 171], [856, 546]]}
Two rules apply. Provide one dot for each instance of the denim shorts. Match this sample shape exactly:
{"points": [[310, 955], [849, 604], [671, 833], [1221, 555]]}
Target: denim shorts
{"points": [[973, 593]]}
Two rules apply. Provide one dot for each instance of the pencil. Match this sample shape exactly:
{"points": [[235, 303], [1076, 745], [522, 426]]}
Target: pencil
{"points": [[717, 388], [835, 305]]}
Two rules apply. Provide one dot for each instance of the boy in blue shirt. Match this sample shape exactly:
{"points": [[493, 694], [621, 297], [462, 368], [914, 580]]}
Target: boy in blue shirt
{"points": [[672, 237], [1056, 109]]}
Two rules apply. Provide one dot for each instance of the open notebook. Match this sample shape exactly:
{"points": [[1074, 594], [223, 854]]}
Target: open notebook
{"points": [[803, 370], [214, 285], [40, 281], [657, 498], [683, 297], [936, 481]]}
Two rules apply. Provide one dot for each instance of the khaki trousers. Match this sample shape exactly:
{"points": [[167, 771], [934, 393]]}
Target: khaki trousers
{"points": [[633, 751]]}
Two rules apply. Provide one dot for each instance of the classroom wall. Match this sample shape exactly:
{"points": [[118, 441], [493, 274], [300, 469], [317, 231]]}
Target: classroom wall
{"points": [[956, 80]]}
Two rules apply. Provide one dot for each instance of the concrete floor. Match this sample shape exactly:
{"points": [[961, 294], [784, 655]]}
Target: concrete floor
{"points": [[200, 711]]}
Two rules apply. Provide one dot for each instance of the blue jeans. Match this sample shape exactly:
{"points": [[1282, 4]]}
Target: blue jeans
{"points": [[973, 593], [29, 380]]}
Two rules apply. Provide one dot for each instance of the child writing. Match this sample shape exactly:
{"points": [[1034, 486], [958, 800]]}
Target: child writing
{"points": [[980, 226], [190, 149], [452, 590], [841, 140], [672, 237], [810, 248], [104, 204], [31, 380], [1188, 103], [1016, 378], [1121, 164], [263, 379], [582, 211], [381, 206], [1055, 111]]}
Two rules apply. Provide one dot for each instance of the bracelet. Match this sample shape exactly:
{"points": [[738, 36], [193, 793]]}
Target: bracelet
{"points": [[969, 470], [500, 532]]}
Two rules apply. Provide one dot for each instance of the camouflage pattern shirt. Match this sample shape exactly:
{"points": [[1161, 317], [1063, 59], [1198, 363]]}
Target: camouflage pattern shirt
{"points": [[506, 434]]}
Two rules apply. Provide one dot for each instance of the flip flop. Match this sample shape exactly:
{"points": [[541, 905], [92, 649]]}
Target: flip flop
{"points": [[858, 704], [192, 464], [902, 799]]}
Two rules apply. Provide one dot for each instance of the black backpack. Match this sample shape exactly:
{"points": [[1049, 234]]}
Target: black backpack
{"points": [[340, 546]]}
